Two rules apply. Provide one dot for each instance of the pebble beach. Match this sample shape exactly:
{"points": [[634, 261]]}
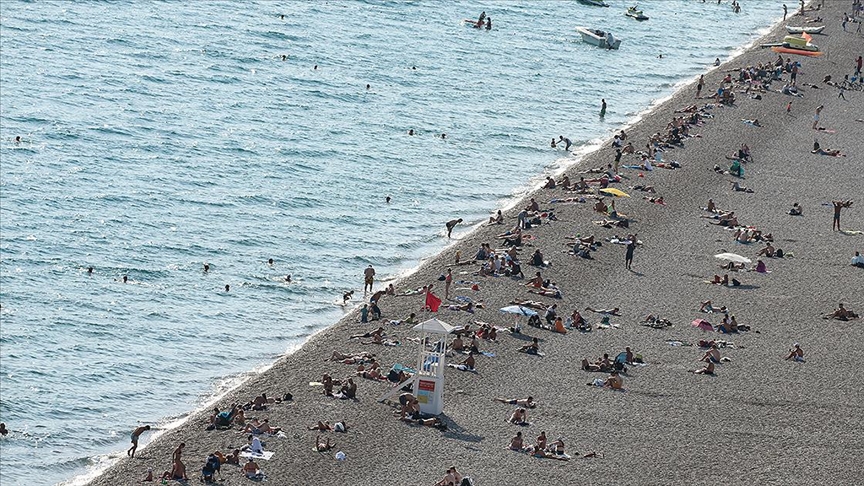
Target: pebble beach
{"points": [[759, 420]]}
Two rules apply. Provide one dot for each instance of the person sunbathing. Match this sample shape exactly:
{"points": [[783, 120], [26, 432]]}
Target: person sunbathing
{"points": [[841, 314], [322, 426], [737, 187], [519, 417], [251, 470], [434, 422], [352, 358], [457, 344], [614, 381], [590, 366], [373, 374], [707, 370], [533, 348], [768, 251], [611, 312], [829, 152], [177, 472], [600, 207], [467, 365], [655, 200], [712, 355], [376, 334], [323, 446], [796, 353], [536, 282], [523, 402], [516, 443], [551, 291]]}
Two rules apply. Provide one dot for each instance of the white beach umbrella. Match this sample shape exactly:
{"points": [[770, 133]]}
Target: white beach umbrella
{"points": [[733, 257]]}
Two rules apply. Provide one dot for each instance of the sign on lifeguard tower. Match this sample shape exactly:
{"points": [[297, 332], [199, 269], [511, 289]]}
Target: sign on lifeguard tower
{"points": [[429, 379]]}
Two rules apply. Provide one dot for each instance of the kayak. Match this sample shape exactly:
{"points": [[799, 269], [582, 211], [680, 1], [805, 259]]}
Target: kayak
{"points": [[800, 52], [801, 30]]}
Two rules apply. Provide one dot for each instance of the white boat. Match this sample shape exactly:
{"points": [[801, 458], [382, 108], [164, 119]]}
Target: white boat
{"points": [[599, 38], [594, 3], [801, 30], [632, 12]]}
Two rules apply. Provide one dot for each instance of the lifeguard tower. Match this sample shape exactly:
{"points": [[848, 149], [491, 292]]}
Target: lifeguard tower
{"points": [[428, 381]]}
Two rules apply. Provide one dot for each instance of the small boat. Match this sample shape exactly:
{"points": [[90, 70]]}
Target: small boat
{"points": [[594, 3], [801, 30], [632, 12], [797, 45], [598, 38]]}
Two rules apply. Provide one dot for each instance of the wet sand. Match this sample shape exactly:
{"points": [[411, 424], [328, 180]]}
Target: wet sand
{"points": [[760, 420]]}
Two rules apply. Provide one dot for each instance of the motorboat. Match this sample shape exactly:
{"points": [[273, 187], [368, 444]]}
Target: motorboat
{"points": [[802, 30], [634, 13], [594, 3], [598, 38]]}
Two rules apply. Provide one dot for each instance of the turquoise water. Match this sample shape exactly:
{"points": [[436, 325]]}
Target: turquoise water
{"points": [[160, 136]]}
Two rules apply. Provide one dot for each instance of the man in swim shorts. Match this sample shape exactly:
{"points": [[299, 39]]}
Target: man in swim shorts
{"points": [[135, 435], [369, 275], [450, 224]]}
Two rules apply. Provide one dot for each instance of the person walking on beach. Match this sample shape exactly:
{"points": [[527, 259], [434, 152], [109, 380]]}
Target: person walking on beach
{"points": [[838, 205], [628, 259], [785, 11], [700, 85], [135, 435], [448, 280], [602, 108], [858, 66], [789, 108], [450, 224], [369, 275]]}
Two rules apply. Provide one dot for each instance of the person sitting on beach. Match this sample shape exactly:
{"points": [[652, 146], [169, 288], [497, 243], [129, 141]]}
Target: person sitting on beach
{"points": [[565, 182], [234, 458], [457, 344], [497, 219], [348, 390], [550, 183], [519, 417], [611, 312], [760, 267], [252, 471], [858, 260], [177, 472], [451, 478], [537, 259], [707, 370], [533, 348], [516, 443], [614, 381], [712, 355], [841, 313], [768, 251], [796, 353], [796, 210]]}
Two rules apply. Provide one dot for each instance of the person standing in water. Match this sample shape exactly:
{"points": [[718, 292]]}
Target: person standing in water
{"points": [[369, 278], [450, 224], [602, 108]]}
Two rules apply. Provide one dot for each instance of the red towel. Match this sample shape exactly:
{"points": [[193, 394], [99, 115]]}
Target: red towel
{"points": [[432, 302]]}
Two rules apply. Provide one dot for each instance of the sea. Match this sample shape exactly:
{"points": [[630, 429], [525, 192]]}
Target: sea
{"points": [[157, 137]]}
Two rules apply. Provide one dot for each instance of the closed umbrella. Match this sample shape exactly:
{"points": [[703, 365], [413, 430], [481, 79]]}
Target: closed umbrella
{"points": [[733, 257]]}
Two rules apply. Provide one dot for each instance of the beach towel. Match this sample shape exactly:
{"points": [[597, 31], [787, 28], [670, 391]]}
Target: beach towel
{"points": [[432, 302], [266, 455]]}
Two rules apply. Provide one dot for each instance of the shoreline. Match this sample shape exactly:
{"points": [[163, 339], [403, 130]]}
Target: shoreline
{"points": [[415, 274], [574, 162]]}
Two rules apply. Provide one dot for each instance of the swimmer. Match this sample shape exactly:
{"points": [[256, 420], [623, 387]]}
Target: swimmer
{"points": [[284, 57], [288, 278], [347, 296], [270, 262], [18, 139], [411, 132], [368, 87], [227, 288], [206, 267], [387, 199], [89, 270], [125, 278], [3, 430]]}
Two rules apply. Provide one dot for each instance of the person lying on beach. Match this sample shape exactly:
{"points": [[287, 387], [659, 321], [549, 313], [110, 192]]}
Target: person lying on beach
{"points": [[467, 365], [376, 334], [262, 427], [322, 426], [519, 417], [551, 291], [433, 422], [352, 358], [610, 223], [522, 402], [533, 348], [371, 374], [841, 314], [655, 200], [737, 187], [467, 307], [611, 312], [323, 446], [707, 370], [252, 471], [643, 188], [796, 353], [828, 152]]}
